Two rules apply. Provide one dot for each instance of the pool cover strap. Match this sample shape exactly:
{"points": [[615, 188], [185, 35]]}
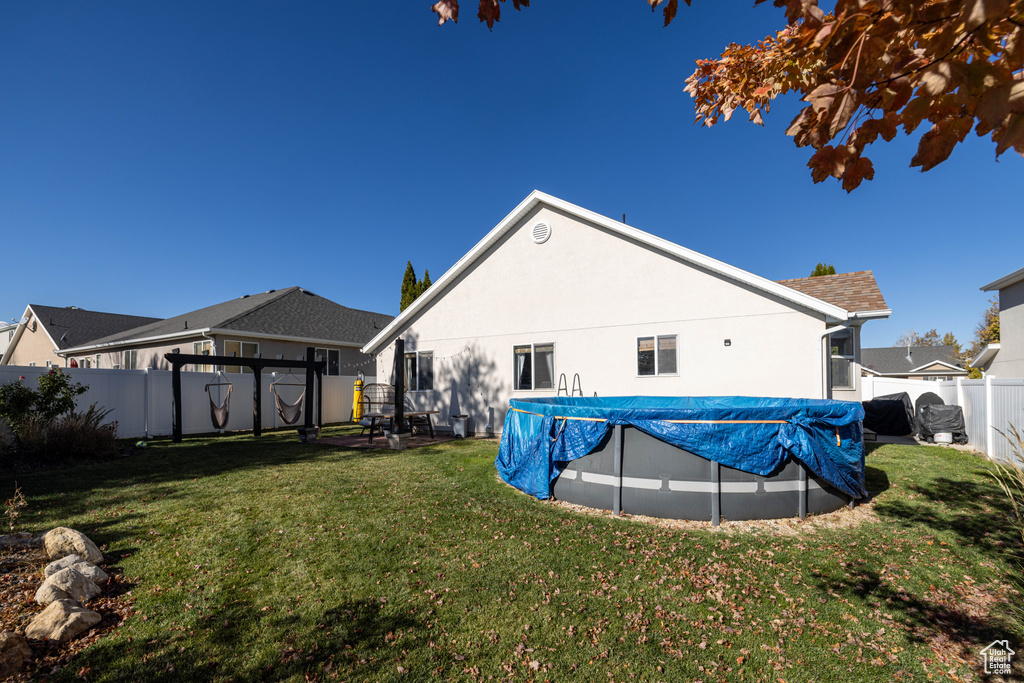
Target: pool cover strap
{"points": [[541, 435]]}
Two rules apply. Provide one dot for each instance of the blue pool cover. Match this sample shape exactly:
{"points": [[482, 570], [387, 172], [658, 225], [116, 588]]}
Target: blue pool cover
{"points": [[750, 434]]}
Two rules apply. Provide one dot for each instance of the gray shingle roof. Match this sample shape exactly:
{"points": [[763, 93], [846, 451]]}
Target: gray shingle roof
{"points": [[291, 312], [893, 360], [71, 326]]}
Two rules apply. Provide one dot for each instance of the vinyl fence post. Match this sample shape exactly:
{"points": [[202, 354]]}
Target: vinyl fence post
{"points": [[960, 392], [989, 420], [617, 472]]}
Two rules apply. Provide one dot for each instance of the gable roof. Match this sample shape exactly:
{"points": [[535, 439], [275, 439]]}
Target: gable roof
{"points": [[830, 311], [1011, 279], [894, 360], [72, 326], [853, 291], [292, 314]]}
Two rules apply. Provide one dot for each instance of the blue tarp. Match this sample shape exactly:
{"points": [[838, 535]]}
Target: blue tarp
{"points": [[538, 440]]}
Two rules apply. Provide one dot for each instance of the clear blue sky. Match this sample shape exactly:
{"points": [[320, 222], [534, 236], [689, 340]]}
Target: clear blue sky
{"points": [[156, 157]]}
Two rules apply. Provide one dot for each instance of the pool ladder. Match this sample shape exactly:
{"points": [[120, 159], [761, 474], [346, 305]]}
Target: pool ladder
{"points": [[577, 385]]}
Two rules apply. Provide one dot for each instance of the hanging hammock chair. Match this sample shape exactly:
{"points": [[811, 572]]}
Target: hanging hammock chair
{"points": [[288, 412], [219, 413]]}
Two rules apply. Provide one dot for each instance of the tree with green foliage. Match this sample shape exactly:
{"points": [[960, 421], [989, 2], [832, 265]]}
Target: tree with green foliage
{"points": [[411, 287], [986, 332], [823, 269], [425, 283]]}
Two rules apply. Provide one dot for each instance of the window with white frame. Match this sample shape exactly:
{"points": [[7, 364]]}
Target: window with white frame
{"points": [[534, 366], [240, 349], [131, 359], [842, 353], [333, 358], [419, 370], [656, 355], [202, 348]]}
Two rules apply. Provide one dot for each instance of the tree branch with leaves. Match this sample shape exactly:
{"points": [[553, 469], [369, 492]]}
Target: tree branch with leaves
{"points": [[865, 70]]}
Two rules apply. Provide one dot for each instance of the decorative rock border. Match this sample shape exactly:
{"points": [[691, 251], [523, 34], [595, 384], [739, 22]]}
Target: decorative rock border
{"points": [[72, 580]]}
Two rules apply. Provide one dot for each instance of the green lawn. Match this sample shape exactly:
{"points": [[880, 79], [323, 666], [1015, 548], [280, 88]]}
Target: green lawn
{"points": [[274, 560]]}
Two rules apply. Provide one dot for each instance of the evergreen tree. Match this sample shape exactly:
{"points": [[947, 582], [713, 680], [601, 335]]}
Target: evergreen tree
{"points": [[425, 283], [409, 287], [823, 269]]}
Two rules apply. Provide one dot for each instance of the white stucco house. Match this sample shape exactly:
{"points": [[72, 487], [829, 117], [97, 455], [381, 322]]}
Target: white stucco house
{"points": [[556, 295], [1005, 358]]}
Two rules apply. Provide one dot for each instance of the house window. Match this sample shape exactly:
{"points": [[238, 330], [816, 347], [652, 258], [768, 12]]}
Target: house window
{"points": [[333, 358], [131, 360], [203, 348], [841, 343], [240, 349], [534, 366], [419, 370], [656, 355]]}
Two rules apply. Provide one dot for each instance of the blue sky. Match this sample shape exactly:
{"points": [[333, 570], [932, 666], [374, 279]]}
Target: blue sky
{"points": [[163, 156]]}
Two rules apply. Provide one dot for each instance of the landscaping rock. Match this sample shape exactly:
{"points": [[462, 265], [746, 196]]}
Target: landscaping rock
{"points": [[88, 569], [62, 563], [62, 621], [14, 650], [63, 541], [68, 583]]}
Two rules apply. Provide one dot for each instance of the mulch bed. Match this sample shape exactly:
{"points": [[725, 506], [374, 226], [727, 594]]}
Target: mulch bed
{"points": [[21, 574]]}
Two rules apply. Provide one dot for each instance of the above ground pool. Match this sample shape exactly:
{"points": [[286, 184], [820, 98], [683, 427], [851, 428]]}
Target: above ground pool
{"points": [[708, 458]]}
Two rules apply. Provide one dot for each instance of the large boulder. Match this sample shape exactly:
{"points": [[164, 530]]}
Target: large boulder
{"points": [[62, 621], [14, 650], [63, 541], [68, 583], [89, 570]]}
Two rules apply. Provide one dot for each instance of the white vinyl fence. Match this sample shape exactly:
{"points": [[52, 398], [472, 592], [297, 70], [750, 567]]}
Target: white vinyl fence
{"points": [[142, 402], [990, 405]]}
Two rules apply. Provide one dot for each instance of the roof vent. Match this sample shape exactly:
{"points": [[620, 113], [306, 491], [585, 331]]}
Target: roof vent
{"points": [[541, 233]]}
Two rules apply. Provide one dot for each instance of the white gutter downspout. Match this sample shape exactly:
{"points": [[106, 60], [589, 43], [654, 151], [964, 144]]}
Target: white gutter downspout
{"points": [[826, 369]]}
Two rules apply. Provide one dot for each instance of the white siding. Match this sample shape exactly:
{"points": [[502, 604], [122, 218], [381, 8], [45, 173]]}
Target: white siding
{"points": [[592, 293]]}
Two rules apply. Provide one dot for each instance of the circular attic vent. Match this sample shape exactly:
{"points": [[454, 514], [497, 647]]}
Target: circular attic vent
{"points": [[541, 233]]}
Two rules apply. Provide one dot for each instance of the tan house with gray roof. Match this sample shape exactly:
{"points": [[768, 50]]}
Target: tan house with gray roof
{"points": [[44, 331], [556, 295], [278, 323]]}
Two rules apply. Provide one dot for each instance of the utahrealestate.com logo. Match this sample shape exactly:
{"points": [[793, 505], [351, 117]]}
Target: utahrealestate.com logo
{"points": [[998, 658]]}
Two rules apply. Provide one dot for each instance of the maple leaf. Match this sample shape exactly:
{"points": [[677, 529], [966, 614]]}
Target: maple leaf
{"points": [[446, 9], [490, 11], [856, 171]]}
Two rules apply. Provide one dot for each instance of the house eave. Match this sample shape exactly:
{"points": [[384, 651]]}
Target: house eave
{"points": [[1013, 278], [831, 312], [186, 334], [986, 355]]}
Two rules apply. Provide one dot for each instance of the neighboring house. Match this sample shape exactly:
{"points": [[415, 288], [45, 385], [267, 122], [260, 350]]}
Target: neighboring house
{"points": [[279, 323], [44, 331], [1006, 357], [912, 362], [555, 291], [7, 331]]}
